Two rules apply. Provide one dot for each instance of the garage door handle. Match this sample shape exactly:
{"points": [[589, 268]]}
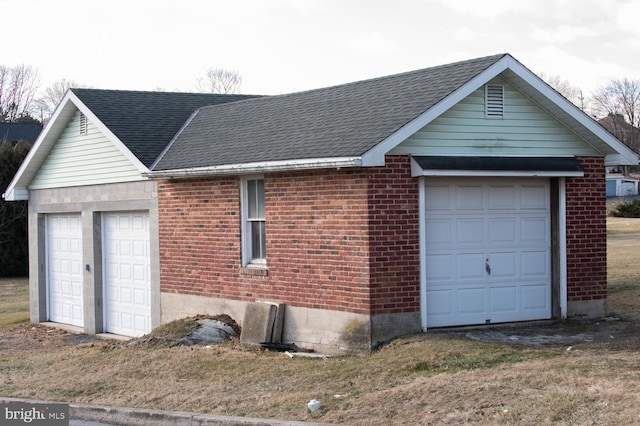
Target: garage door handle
{"points": [[487, 267]]}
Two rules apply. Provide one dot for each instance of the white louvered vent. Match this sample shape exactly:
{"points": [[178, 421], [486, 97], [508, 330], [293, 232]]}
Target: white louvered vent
{"points": [[494, 100], [83, 124]]}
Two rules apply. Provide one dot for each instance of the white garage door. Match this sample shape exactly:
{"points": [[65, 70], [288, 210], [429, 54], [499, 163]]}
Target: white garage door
{"points": [[64, 269], [487, 250], [127, 284]]}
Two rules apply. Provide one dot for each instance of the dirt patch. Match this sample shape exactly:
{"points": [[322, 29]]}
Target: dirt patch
{"points": [[199, 329], [609, 332], [26, 337]]}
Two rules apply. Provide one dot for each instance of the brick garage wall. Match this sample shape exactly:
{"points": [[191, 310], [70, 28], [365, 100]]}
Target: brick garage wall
{"points": [[394, 237], [587, 232], [199, 226], [317, 244]]}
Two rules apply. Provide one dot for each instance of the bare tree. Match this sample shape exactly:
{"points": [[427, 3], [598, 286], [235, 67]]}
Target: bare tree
{"points": [[52, 96], [618, 106], [18, 86], [566, 89], [219, 80]]}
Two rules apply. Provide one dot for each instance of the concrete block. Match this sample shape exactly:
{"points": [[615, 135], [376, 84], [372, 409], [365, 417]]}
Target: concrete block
{"points": [[257, 326], [278, 323]]}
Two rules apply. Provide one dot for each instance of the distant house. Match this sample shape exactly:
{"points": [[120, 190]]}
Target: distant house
{"points": [[468, 193], [620, 183], [621, 129], [15, 132]]}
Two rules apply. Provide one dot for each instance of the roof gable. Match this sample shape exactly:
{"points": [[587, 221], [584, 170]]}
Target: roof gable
{"points": [[356, 124], [145, 122], [340, 121], [138, 124], [524, 129], [84, 157]]}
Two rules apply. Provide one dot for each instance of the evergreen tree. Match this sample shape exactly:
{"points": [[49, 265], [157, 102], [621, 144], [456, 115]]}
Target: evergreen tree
{"points": [[14, 247]]}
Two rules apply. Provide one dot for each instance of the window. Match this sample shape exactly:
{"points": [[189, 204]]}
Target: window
{"points": [[494, 100], [254, 244]]}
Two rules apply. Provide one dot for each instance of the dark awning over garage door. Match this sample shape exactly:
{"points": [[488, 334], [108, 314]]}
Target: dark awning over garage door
{"points": [[495, 166]]}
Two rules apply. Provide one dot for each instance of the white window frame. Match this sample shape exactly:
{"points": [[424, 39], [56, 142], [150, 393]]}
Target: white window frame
{"points": [[247, 250]]}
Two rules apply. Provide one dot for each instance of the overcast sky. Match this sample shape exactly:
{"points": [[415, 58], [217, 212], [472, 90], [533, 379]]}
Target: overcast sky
{"points": [[280, 46]]}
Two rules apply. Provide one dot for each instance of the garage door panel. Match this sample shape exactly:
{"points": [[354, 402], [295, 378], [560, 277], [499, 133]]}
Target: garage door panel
{"points": [[125, 272], [534, 197], [470, 266], [440, 231], [439, 198], [139, 297], [471, 301], [127, 282], [139, 248], [503, 299], [534, 230], [502, 198], [139, 322], [503, 265], [470, 231], [440, 303], [469, 197], [492, 260], [534, 297], [125, 248], [439, 267], [503, 230], [535, 264]]}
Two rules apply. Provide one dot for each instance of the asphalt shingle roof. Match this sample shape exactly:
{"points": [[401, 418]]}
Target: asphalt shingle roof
{"points": [[340, 121], [147, 121]]}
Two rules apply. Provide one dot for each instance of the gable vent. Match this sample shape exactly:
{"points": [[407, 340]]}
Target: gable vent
{"points": [[83, 124], [494, 100]]}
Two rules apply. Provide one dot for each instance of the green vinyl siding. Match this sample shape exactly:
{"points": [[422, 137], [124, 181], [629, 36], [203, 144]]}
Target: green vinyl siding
{"points": [[525, 130], [89, 159]]}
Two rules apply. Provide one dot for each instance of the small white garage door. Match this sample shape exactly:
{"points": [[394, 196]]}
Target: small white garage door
{"points": [[64, 269], [127, 283], [488, 250]]}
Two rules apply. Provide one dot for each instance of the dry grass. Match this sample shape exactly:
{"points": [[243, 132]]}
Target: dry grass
{"points": [[14, 301], [433, 378], [623, 247]]}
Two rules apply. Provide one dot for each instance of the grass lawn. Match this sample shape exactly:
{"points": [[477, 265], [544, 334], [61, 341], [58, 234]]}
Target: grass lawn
{"points": [[431, 378], [14, 301]]}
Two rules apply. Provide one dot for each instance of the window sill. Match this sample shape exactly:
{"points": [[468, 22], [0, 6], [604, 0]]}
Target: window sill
{"points": [[255, 270]]}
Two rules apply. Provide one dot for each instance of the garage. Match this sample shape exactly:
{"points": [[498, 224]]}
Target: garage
{"points": [[64, 269], [127, 283], [487, 250]]}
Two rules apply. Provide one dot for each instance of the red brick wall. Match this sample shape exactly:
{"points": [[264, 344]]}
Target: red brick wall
{"points": [[587, 232], [344, 240], [317, 244], [394, 237], [200, 237]]}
